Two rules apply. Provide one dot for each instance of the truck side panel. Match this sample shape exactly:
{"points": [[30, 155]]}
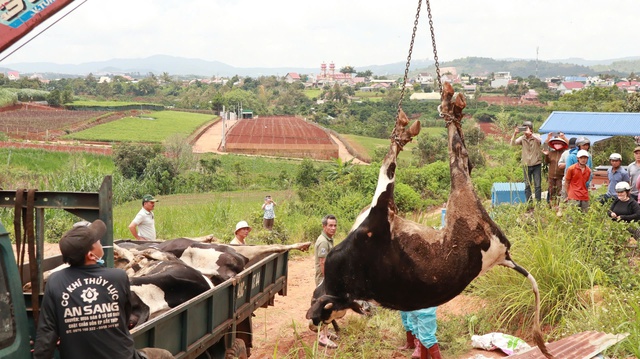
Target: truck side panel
{"points": [[190, 329]]}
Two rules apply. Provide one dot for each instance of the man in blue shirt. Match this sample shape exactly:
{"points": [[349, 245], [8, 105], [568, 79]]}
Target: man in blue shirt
{"points": [[582, 143], [616, 174]]}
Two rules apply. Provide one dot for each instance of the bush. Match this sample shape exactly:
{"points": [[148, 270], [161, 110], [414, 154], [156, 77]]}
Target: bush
{"points": [[131, 159], [406, 198]]}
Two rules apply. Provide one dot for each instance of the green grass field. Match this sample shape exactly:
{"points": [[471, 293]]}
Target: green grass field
{"points": [[195, 215], [153, 127], [370, 96], [369, 144], [32, 161], [312, 93]]}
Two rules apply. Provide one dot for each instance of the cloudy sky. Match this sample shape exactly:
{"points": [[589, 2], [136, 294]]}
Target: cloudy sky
{"points": [[303, 33]]}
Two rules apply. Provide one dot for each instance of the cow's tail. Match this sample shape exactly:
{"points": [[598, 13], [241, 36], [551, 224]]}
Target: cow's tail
{"points": [[537, 332]]}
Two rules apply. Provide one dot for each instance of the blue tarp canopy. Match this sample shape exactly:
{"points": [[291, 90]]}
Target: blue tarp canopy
{"points": [[597, 126]]}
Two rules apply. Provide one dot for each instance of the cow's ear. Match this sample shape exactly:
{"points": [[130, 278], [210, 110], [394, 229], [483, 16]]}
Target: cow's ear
{"points": [[315, 311]]}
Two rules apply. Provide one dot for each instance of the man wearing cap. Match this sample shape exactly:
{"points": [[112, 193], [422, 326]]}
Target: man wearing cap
{"points": [[615, 174], [634, 173], [582, 143], [557, 147], [242, 231], [562, 162], [143, 226], [87, 306], [576, 179], [531, 159]]}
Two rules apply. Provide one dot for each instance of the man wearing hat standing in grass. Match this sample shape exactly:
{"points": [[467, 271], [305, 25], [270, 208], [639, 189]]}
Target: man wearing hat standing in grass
{"points": [[557, 147], [86, 307], [143, 226], [242, 231], [634, 173], [531, 158]]}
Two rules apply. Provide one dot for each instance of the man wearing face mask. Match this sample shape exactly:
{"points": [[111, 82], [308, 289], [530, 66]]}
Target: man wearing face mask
{"points": [[86, 306]]}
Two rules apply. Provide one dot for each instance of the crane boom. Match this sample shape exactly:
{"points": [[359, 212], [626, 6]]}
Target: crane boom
{"points": [[19, 17]]}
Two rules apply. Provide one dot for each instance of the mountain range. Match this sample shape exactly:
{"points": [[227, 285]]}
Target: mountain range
{"points": [[198, 68]]}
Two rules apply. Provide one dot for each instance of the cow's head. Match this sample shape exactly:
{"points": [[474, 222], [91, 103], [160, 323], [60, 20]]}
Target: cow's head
{"points": [[329, 307], [139, 311]]}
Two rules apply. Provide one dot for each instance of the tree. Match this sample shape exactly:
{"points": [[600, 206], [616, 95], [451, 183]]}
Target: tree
{"points": [[179, 153], [592, 99], [366, 74], [307, 174], [348, 70], [633, 102], [54, 98], [131, 160], [431, 148], [339, 169], [147, 86]]}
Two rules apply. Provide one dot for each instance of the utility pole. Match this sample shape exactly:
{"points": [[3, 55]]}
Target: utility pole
{"points": [[224, 128]]}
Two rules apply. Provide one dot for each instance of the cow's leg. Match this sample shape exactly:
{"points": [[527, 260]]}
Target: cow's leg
{"points": [[401, 136], [254, 254]]}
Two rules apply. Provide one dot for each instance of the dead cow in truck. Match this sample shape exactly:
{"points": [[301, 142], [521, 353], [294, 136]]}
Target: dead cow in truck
{"points": [[406, 266], [216, 260], [164, 282]]}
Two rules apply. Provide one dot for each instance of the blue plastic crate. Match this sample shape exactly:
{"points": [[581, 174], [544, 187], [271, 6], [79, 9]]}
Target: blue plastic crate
{"points": [[507, 192]]}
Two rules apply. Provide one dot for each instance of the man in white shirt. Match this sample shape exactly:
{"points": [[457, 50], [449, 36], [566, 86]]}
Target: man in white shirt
{"points": [[634, 172], [143, 226]]}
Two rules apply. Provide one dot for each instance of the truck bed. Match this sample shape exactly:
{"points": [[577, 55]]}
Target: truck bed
{"points": [[213, 317]]}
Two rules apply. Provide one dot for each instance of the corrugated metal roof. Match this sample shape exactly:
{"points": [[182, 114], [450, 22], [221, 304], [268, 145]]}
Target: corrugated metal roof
{"points": [[596, 126], [583, 345]]}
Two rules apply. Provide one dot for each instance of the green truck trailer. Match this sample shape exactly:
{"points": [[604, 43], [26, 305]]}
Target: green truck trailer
{"points": [[215, 324]]}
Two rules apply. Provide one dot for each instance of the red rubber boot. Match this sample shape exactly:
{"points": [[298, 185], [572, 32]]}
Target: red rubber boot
{"points": [[410, 342], [433, 352]]}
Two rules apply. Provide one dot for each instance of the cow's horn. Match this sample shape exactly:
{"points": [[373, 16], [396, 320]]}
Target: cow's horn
{"points": [[328, 306]]}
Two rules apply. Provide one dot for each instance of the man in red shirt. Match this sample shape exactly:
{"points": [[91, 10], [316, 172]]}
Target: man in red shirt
{"points": [[576, 179]]}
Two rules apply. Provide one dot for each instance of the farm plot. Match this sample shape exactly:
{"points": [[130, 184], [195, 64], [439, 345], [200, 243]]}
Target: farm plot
{"points": [[41, 124], [281, 136], [151, 127]]}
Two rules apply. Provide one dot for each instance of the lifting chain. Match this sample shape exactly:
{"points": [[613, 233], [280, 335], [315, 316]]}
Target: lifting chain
{"points": [[435, 55], [435, 51], [406, 70]]}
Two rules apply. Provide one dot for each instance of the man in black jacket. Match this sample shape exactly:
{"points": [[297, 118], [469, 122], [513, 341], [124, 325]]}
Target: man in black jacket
{"points": [[86, 307]]}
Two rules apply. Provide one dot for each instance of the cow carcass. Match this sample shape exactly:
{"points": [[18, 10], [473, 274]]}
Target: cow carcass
{"points": [[166, 274], [217, 261], [161, 283], [404, 265]]}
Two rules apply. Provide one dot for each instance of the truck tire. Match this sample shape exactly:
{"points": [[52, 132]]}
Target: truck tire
{"points": [[237, 351]]}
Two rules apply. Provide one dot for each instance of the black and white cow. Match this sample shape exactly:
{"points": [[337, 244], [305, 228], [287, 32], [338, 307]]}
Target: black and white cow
{"points": [[166, 274], [407, 266], [217, 261], [162, 283]]}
